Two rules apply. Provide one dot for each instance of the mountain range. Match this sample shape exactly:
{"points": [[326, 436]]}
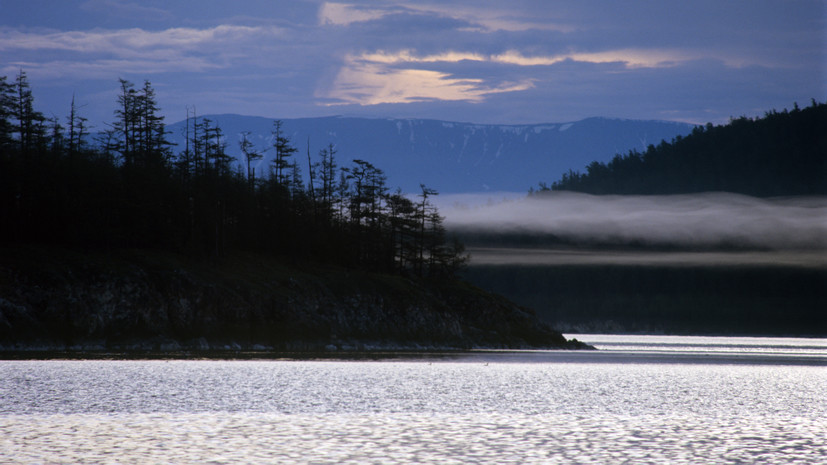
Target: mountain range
{"points": [[450, 157]]}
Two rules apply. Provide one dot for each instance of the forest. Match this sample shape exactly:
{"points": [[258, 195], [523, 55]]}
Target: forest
{"points": [[782, 153], [126, 186]]}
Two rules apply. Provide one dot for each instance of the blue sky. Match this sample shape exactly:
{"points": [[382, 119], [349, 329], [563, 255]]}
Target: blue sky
{"points": [[511, 62]]}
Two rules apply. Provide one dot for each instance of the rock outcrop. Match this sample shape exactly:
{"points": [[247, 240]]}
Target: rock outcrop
{"points": [[153, 301]]}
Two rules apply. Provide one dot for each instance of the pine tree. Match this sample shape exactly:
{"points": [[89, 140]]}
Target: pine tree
{"points": [[284, 150], [125, 122], [30, 123], [150, 128], [216, 148], [6, 112], [327, 172], [197, 145], [403, 228], [423, 214], [57, 141], [250, 155], [77, 129], [142, 135]]}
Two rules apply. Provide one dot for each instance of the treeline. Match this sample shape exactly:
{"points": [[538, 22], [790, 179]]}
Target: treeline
{"points": [[130, 188], [783, 153]]}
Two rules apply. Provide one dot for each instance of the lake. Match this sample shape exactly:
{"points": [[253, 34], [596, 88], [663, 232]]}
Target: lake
{"points": [[640, 399]]}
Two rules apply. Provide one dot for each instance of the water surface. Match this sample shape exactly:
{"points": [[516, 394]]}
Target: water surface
{"points": [[641, 400]]}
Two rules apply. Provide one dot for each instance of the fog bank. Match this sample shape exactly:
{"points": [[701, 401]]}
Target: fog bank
{"points": [[544, 257], [704, 220]]}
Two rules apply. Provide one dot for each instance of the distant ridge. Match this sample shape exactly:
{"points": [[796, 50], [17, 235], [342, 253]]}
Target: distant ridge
{"points": [[450, 157]]}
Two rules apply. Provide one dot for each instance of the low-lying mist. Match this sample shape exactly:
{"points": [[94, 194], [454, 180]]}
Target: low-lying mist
{"points": [[707, 221]]}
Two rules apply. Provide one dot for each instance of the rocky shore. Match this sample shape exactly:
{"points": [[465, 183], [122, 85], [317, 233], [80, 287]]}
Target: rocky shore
{"points": [[139, 301]]}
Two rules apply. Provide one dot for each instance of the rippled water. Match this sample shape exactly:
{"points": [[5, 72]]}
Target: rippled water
{"points": [[664, 402], [707, 344]]}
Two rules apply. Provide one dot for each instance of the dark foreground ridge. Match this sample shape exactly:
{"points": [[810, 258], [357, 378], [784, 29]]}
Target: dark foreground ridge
{"points": [[157, 303]]}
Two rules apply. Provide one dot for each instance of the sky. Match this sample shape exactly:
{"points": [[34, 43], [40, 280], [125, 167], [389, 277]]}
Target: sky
{"points": [[479, 61]]}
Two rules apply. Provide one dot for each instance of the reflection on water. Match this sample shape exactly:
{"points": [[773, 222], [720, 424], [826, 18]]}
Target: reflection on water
{"points": [[707, 344], [480, 408]]}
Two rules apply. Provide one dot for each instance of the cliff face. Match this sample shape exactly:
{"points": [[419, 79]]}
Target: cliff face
{"points": [[138, 300]]}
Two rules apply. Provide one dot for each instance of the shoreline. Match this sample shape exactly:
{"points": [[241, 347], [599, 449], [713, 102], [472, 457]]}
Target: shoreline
{"points": [[297, 351], [478, 355]]}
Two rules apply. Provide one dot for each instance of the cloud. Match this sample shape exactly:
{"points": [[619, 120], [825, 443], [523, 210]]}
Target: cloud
{"points": [[126, 50], [342, 14], [403, 76], [697, 220], [128, 40], [409, 56], [630, 58], [369, 81], [475, 19], [107, 68]]}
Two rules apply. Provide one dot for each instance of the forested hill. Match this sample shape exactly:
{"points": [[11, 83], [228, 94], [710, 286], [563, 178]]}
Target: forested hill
{"points": [[129, 244], [783, 153]]}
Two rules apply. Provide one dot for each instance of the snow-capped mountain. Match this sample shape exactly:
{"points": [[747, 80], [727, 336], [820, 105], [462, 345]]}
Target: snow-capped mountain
{"points": [[448, 156]]}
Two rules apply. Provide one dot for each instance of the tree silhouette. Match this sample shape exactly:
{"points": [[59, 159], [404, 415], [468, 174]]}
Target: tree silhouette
{"points": [[30, 128], [783, 153], [130, 190], [284, 149], [250, 155]]}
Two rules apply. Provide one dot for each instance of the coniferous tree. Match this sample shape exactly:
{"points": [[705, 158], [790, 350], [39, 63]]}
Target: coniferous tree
{"points": [[403, 230], [197, 145], [154, 147], [183, 163], [216, 149], [342, 189], [423, 214], [327, 173], [57, 142], [107, 143], [125, 121], [250, 155], [6, 112], [73, 133], [30, 127], [311, 173], [295, 181], [203, 145], [284, 150]]}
